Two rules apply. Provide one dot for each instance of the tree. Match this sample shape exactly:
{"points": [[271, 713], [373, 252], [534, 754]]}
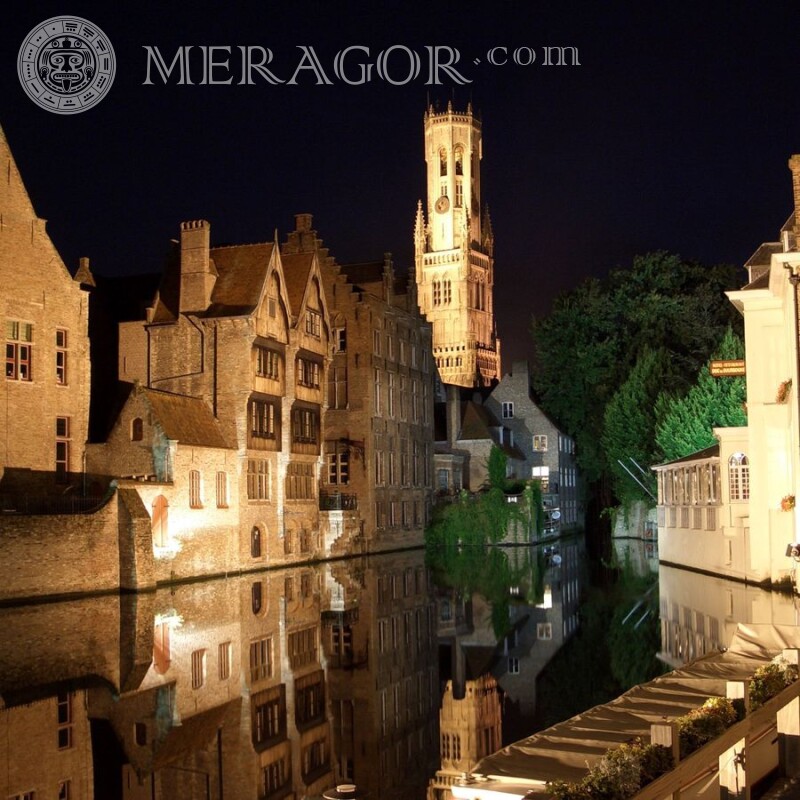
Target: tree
{"points": [[687, 423], [630, 423], [594, 336]]}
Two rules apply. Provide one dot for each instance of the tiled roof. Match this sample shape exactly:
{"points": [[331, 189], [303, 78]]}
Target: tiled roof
{"points": [[296, 268], [763, 255], [476, 421], [242, 271], [187, 420]]}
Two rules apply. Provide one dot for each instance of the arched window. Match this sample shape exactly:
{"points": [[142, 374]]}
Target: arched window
{"points": [[159, 521], [137, 430], [255, 542], [739, 476], [257, 597], [459, 159], [442, 162]]}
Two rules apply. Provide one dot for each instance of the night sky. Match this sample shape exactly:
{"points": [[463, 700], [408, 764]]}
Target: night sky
{"points": [[673, 133]]}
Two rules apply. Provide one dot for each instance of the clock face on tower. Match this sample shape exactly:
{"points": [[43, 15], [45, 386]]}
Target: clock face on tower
{"points": [[442, 204]]}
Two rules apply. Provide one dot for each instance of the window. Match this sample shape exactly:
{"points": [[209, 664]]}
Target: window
{"points": [[442, 479], [459, 159], [62, 448], [224, 660], [137, 430], [447, 294], [508, 410], [64, 790], [222, 490], [459, 194], [159, 523], [269, 716], [257, 597], [268, 363], [337, 387], [198, 668], [261, 414], [339, 467], [257, 479], [162, 651], [255, 542], [195, 497], [274, 777], [313, 323], [390, 396], [299, 481], [739, 476], [288, 589], [442, 162], [305, 585], [261, 659], [19, 347], [140, 734], [314, 758], [304, 425], [377, 391], [339, 340], [64, 720], [542, 474], [540, 443], [544, 630], [309, 700], [61, 357], [303, 647], [342, 640], [307, 373], [376, 342], [437, 293], [513, 666]]}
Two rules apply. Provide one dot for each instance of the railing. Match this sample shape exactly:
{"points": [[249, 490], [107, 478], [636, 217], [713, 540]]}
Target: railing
{"points": [[49, 504], [337, 501]]}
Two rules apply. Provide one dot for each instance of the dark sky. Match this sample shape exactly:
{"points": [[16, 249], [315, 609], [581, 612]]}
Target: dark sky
{"points": [[673, 133]]}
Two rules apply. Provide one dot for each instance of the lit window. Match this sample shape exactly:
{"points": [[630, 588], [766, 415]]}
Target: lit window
{"points": [[508, 410], [268, 363], [198, 668], [313, 323], [542, 474], [257, 479], [61, 357], [261, 659], [19, 347], [62, 448], [308, 373], [739, 476], [540, 443], [195, 496]]}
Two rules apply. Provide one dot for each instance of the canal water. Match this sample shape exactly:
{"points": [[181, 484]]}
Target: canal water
{"points": [[394, 673]]}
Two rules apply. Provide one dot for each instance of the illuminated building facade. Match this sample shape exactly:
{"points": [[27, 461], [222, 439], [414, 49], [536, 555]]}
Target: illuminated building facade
{"points": [[454, 252]]}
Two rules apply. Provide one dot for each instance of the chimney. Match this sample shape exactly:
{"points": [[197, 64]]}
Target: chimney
{"points": [[302, 222], [453, 414], [197, 274]]}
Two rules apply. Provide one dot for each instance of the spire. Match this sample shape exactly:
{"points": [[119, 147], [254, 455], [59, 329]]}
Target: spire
{"points": [[419, 229], [487, 234]]}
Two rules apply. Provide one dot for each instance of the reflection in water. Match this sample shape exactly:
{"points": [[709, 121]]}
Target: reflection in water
{"points": [[699, 613], [283, 684], [278, 684]]}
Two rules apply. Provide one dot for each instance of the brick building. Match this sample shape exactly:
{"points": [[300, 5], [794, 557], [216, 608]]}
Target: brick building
{"points": [[246, 331], [45, 394], [378, 424]]}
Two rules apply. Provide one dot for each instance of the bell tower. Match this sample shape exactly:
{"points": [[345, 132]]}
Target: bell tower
{"points": [[454, 252]]}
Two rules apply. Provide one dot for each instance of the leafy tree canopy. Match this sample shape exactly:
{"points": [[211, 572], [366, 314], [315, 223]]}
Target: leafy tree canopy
{"points": [[587, 346], [686, 424]]}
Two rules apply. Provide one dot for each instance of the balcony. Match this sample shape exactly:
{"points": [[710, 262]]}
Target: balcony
{"points": [[337, 501]]}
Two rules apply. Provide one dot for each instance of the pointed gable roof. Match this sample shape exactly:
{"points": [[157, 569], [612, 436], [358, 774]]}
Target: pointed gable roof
{"points": [[296, 270], [242, 272], [14, 199]]}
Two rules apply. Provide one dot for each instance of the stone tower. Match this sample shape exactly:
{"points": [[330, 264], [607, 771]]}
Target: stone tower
{"points": [[454, 252]]}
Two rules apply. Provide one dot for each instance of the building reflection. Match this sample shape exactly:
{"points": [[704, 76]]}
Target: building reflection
{"points": [[699, 613], [272, 685]]}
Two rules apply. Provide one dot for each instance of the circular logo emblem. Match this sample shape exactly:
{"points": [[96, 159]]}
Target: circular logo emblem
{"points": [[66, 65]]}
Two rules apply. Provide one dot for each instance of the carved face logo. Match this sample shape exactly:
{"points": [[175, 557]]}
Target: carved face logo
{"points": [[66, 65]]}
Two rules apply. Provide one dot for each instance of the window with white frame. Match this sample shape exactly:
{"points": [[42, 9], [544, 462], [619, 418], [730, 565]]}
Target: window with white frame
{"points": [[544, 630], [61, 356], [195, 489], [739, 476], [542, 474], [540, 443], [222, 489], [62, 448], [513, 666], [19, 350], [508, 410]]}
